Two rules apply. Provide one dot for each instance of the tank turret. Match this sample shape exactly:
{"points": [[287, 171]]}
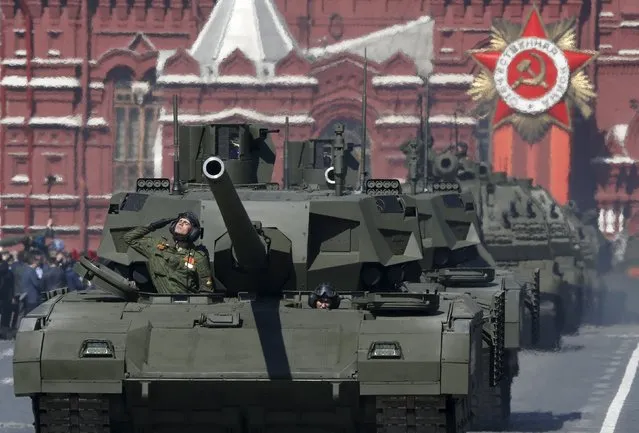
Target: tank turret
{"points": [[312, 162], [244, 254], [246, 149]]}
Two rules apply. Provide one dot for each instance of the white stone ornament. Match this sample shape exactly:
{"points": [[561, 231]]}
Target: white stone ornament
{"points": [[553, 95]]}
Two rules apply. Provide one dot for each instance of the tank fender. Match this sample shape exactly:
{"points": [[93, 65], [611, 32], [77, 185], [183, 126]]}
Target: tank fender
{"points": [[416, 371], [439, 354], [549, 282], [28, 349], [80, 357], [513, 316], [515, 308], [570, 275], [461, 347], [26, 359]]}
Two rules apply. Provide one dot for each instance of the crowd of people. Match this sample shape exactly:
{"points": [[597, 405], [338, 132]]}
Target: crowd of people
{"points": [[42, 265]]}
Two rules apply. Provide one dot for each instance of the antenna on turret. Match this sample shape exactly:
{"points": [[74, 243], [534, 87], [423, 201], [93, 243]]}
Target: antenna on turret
{"points": [[362, 158], [286, 180], [177, 183], [456, 128], [425, 133], [420, 138], [338, 161]]}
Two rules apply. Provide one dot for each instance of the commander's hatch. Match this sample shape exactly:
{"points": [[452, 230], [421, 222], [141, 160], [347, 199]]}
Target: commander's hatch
{"points": [[463, 276], [423, 303]]}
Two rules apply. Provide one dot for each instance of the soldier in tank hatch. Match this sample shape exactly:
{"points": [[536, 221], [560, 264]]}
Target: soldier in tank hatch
{"points": [[234, 148], [324, 298], [176, 266]]}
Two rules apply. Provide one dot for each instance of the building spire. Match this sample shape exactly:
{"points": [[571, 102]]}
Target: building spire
{"points": [[255, 27]]}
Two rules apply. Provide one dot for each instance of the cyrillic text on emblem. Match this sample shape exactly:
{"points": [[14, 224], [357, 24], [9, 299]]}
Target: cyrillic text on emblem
{"points": [[532, 75]]}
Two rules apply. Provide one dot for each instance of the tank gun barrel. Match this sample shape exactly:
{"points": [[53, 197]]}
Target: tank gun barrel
{"points": [[445, 165], [249, 247]]}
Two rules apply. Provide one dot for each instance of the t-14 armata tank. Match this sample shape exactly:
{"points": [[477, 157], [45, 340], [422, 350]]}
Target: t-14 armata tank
{"points": [[254, 354], [453, 259]]}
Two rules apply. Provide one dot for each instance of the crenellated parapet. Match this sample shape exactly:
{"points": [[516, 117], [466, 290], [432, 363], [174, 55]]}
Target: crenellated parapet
{"points": [[468, 11], [118, 9], [141, 11]]}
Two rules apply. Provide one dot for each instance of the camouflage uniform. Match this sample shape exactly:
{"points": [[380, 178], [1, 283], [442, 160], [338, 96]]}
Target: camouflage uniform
{"points": [[173, 269]]}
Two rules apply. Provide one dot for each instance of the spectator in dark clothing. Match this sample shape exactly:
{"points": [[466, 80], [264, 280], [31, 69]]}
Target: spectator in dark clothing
{"points": [[18, 268], [72, 279], [32, 286], [6, 297], [53, 275], [40, 263]]}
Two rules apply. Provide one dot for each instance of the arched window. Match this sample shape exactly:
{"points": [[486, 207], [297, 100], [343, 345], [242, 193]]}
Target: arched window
{"points": [[136, 110], [352, 135]]}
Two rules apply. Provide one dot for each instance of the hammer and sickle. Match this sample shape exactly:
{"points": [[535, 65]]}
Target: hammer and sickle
{"points": [[533, 79]]}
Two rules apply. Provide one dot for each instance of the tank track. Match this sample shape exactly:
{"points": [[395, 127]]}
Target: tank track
{"points": [[491, 404], [65, 413], [78, 413], [74, 413], [422, 414], [535, 307]]}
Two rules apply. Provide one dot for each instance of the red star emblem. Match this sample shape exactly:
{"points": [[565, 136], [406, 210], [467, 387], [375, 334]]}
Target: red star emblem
{"points": [[531, 76]]}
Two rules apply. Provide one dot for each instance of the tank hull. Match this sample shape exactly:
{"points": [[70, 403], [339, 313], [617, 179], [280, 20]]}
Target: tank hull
{"points": [[312, 372]]}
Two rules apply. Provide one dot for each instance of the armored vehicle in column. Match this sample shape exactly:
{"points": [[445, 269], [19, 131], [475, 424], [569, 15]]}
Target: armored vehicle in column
{"points": [[518, 237], [124, 357], [566, 248], [448, 240], [596, 254], [455, 248]]}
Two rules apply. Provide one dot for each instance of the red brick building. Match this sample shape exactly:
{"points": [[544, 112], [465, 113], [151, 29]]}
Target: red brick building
{"points": [[85, 87]]}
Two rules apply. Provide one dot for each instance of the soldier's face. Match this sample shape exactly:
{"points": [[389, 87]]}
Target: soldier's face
{"points": [[183, 227], [323, 304]]}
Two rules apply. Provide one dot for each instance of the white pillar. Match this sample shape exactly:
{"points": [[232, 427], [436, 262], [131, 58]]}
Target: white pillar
{"points": [[610, 221]]}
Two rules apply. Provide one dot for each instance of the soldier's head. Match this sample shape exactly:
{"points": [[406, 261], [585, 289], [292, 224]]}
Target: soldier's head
{"points": [[7, 257], [324, 298], [186, 227], [462, 150]]}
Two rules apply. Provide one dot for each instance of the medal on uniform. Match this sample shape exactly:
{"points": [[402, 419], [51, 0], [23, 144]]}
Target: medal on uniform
{"points": [[189, 262]]}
